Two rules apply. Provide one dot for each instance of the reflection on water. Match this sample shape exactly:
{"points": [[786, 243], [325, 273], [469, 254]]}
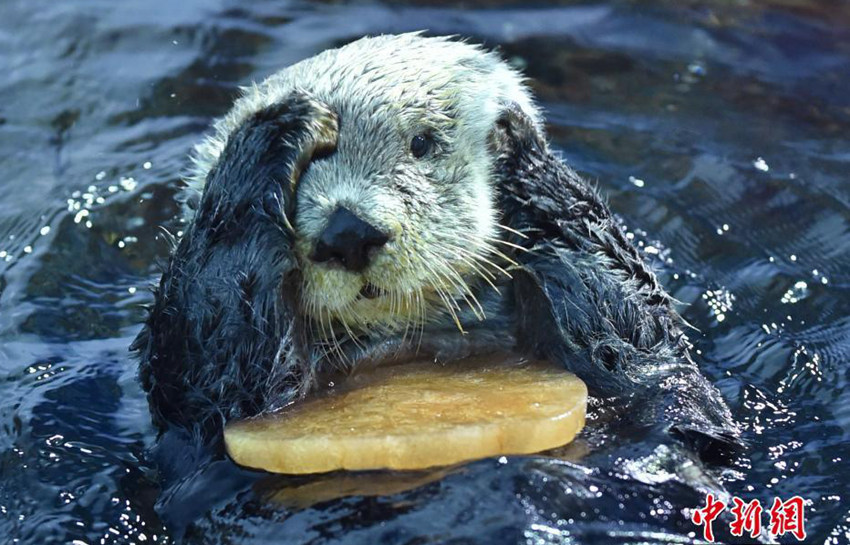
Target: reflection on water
{"points": [[718, 131]]}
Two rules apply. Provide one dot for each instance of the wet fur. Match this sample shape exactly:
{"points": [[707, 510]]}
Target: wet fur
{"points": [[438, 211], [225, 338], [586, 298]]}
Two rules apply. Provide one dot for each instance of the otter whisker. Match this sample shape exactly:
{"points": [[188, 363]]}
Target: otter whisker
{"points": [[447, 273], [421, 310], [509, 260], [310, 310], [487, 249], [482, 273], [412, 318], [407, 326], [510, 244], [325, 343], [465, 291], [438, 272], [472, 260], [447, 301], [492, 264], [348, 330], [335, 347], [170, 238], [512, 230]]}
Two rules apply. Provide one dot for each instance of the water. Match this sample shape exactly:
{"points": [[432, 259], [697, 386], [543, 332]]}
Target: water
{"points": [[719, 132]]}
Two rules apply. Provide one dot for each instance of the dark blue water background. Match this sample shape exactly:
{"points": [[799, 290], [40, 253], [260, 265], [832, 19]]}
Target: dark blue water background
{"points": [[718, 131]]}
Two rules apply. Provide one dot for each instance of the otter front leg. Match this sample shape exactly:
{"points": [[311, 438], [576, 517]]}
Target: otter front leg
{"points": [[623, 351], [585, 297], [223, 338]]}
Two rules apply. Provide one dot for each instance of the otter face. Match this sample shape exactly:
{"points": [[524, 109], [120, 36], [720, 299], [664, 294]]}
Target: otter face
{"points": [[398, 226], [393, 227]]}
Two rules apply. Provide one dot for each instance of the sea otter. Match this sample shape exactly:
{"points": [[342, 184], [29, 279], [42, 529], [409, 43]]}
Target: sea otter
{"points": [[397, 197]]}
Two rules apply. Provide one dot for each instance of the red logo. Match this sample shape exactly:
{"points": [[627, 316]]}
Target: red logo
{"points": [[786, 517], [707, 514], [747, 518]]}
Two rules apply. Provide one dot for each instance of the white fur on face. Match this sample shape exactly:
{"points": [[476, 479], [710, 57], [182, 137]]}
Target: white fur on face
{"points": [[439, 210]]}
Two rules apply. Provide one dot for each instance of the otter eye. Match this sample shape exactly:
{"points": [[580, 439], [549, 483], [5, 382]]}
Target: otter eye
{"points": [[420, 145]]}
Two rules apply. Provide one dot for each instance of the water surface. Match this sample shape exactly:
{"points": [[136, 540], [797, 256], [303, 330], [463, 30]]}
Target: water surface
{"points": [[717, 130]]}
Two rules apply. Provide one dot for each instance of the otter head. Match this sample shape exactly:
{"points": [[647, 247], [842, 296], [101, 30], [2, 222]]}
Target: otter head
{"points": [[394, 227]]}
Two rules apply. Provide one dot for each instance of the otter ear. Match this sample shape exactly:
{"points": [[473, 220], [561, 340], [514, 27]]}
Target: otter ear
{"points": [[514, 131]]}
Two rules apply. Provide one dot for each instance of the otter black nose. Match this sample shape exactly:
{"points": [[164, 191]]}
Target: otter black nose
{"points": [[348, 240]]}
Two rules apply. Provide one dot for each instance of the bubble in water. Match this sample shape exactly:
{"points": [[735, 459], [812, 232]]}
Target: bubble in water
{"points": [[720, 302], [697, 68], [796, 293]]}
